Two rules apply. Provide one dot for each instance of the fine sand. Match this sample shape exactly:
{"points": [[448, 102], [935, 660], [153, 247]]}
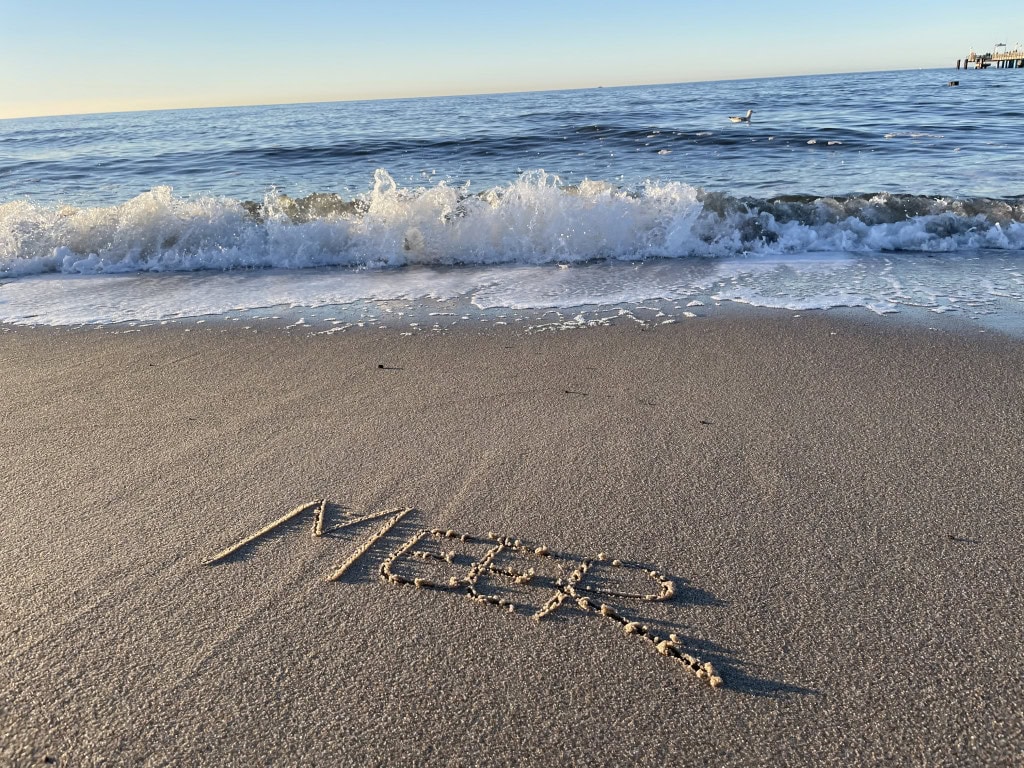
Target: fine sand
{"points": [[836, 504]]}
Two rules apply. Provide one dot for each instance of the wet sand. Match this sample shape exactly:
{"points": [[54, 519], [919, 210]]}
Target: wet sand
{"points": [[836, 502]]}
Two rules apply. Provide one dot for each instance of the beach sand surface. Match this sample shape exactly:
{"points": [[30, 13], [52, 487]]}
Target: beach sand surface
{"points": [[837, 502]]}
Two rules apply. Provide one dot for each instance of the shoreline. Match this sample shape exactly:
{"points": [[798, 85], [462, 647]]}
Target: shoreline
{"points": [[424, 316], [835, 500], [973, 293]]}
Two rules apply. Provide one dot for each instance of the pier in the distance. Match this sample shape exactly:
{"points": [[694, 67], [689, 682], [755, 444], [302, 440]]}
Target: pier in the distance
{"points": [[1000, 58]]}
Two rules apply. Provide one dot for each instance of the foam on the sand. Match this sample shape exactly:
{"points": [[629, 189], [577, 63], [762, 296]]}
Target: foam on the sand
{"points": [[986, 287]]}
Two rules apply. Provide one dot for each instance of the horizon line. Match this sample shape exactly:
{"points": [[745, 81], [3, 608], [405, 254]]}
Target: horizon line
{"points": [[455, 94]]}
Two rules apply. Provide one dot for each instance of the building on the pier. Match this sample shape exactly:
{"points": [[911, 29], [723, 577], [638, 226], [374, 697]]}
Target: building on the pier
{"points": [[1002, 57]]}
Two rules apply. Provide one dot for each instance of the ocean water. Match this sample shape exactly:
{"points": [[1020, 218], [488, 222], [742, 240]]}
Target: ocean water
{"points": [[890, 192]]}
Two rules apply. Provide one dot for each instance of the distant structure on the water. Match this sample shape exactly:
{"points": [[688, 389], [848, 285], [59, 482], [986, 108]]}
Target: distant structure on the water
{"points": [[1000, 57]]}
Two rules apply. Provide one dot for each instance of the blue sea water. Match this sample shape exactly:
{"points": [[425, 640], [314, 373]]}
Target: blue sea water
{"points": [[891, 191]]}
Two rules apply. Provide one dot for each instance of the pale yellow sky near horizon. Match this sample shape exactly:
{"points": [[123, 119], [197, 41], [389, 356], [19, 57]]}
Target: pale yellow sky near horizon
{"points": [[67, 58]]}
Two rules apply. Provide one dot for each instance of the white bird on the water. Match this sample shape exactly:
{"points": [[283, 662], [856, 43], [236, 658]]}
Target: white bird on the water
{"points": [[744, 119]]}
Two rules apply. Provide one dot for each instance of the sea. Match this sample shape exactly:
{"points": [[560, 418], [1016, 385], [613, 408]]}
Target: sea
{"points": [[897, 194]]}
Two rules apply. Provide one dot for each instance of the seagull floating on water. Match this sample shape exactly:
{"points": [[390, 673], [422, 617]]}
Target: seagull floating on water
{"points": [[744, 119]]}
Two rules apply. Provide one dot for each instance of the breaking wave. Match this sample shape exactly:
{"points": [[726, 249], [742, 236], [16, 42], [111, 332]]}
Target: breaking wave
{"points": [[535, 219]]}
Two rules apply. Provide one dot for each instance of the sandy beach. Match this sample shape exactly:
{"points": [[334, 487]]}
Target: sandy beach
{"points": [[836, 502]]}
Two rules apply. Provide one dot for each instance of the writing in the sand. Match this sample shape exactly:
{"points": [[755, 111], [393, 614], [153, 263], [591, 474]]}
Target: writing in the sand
{"points": [[509, 574]]}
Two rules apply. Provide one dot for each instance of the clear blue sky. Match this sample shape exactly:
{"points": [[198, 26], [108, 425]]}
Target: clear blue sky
{"points": [[61, 57]]}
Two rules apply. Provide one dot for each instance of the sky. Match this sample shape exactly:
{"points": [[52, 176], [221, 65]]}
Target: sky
{"points": [[69, 57]]}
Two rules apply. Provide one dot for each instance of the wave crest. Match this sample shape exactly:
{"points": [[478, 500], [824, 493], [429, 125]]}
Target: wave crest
{"points": [[534, 220]]}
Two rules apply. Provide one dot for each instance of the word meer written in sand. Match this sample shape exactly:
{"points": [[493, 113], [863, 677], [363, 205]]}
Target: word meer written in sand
{"points": [[502, 572]]}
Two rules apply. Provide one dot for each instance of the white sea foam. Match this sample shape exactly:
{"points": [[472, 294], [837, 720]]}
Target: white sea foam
{"points": [[969, 286], [533, 220], [531, 244]]}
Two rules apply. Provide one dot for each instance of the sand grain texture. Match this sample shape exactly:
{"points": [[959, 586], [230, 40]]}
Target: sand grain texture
{"points": [[838, 504]]}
